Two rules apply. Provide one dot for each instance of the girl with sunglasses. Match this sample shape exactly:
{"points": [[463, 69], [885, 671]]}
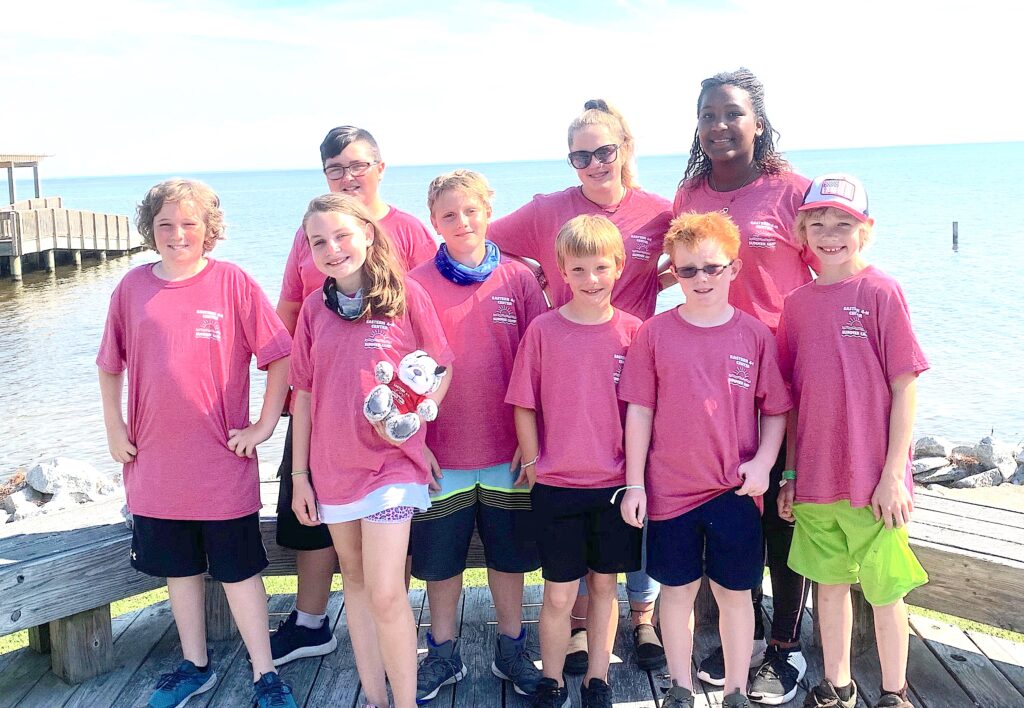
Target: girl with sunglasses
{"points": [[601, 150], [735, 169]]}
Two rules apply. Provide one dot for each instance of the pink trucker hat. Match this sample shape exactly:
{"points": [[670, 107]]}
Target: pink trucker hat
{"points": [[837, 190]]}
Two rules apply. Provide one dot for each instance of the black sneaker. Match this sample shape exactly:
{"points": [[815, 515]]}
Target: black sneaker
{"points": [[597, 695], [292, 641], [550, 695], [776, 679], [677, 697], [894, 700], [577, 657], [712, 668]]}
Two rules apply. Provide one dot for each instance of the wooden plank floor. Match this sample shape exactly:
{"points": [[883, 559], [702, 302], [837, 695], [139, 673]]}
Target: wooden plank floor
{"points": [[949, 668]]}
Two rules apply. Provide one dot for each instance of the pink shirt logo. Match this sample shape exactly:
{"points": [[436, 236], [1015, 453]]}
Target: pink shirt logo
{"points": [[762, 235], [639, 247], [209, 326], [740, 375], [379, 337], [505, 312], [854, 326]]}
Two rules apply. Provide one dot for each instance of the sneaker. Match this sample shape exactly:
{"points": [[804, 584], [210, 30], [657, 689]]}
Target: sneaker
{"points": [[677, 697], [824, 696], [174, 689], [442, 666], [597, 695], [776, 679], [292, 641], [577, 658], [712, 668], [549, 694], [513, 663], [894, 700], [736, 700], [272, 692]]}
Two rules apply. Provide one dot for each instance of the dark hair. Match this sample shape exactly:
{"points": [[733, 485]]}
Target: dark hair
{"points": [[766, 159], [341, 137]]}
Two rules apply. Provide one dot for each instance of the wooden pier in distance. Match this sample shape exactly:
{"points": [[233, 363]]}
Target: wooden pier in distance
{"points": [[41, 227]]}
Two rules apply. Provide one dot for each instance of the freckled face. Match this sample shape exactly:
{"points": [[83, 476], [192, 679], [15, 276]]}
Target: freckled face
{"points": [[703, 290]]}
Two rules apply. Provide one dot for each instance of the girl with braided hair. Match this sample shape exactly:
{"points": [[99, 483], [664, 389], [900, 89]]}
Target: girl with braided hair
{"points": [[734, 168]]}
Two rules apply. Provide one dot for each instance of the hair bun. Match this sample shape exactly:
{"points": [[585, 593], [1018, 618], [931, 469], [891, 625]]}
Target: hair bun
{"points": [[596, 104]]}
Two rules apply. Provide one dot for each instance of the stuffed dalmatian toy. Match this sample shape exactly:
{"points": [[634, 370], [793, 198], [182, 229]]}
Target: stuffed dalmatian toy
{"points": [[401, 400]]}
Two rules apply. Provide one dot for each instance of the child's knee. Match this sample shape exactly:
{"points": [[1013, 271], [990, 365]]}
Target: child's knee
{"points": [[736, 599], [560, 597], [386, 601], [602, 585]]}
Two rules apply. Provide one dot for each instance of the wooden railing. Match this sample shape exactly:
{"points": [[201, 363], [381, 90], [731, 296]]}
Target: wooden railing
{"points": [[38, 230]]}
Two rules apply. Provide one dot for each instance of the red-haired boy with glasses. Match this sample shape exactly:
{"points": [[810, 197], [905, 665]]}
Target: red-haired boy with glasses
{"points": [[704, 425]]}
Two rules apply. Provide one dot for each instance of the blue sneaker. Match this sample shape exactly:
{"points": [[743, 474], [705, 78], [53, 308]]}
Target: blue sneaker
{"points": [[272, 691], [292, 641], [174, 689]]}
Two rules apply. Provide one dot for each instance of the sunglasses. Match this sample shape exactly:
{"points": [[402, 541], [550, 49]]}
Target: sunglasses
{"points": [[580, 159], [356, 169], [712, 269]]}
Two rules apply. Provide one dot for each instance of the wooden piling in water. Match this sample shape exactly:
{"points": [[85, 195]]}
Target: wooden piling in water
{"points": [[956, 236]]}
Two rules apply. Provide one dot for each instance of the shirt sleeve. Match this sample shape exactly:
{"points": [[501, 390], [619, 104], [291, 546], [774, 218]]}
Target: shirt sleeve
{"points": [[301, 364], [112, 356], [771, 392], [426, 324], [639, 380], [516, 233], [524, 383], [265, 334], [900, 351], [291, 283]]}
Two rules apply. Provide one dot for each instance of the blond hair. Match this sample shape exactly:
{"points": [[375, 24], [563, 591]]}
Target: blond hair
{"points": [[470, 182], [382, 276], [597, 111], [691, 229], [177, 191], [802, 217], [589, 235]]}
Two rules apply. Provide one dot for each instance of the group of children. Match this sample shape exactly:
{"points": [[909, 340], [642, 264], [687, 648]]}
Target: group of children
{"points": [[561, 433]]}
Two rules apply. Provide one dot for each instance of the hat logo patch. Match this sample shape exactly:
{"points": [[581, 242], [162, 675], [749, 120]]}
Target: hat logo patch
{"points": [[838, 188]]}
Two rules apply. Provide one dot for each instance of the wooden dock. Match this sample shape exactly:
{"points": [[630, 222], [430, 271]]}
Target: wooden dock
{"points": [[40, 228], [949, 668]]}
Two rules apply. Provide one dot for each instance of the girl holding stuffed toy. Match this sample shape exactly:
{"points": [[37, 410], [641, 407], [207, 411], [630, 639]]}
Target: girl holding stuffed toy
{"points": [[347, 472]]}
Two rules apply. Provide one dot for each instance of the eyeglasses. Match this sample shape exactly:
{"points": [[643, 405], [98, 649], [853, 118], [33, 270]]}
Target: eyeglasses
{"points": [[712, 269], [356, 169], [580, 159]]}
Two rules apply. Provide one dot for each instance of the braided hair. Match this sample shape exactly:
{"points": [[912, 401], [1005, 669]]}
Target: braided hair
{"points": [[766, 158]]}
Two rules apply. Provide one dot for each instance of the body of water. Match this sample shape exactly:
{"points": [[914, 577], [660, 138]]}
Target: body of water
{"points": [[966, 305]]}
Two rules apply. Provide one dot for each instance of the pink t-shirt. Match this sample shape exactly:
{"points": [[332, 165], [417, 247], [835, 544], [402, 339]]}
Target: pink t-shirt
{"points": [[334, 359], [187, 346], [484, 323], [774, 264], [568, 373], [840, 346], [641, 217], [706, 386], [413, 245]]}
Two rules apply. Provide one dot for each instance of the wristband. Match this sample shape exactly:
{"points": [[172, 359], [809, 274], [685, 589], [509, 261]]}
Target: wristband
{"points": [[789, 474], [296, 473], [623, 489]]}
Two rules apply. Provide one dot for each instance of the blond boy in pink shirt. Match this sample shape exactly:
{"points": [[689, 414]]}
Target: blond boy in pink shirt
{"points": [[186, 329], [847, 346]]}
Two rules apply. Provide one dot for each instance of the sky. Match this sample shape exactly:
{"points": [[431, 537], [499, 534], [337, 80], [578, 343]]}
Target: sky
{"points": [[141, 86]]}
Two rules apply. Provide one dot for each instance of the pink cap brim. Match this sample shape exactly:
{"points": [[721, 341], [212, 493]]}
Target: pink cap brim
{"points": [[841, 206]]}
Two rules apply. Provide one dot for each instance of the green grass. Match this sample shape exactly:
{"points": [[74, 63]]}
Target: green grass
{"points": [[476, 577]]}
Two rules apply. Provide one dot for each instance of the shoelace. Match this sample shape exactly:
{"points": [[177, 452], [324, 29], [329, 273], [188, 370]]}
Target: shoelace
{"points": [[768, 669], [521, 661], [277, 693], [437, 667], [172, 679], [825, 701]]}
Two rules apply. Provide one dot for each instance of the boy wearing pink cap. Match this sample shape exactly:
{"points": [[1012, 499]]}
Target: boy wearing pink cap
{"points": [[704, 425], [848, 349]]}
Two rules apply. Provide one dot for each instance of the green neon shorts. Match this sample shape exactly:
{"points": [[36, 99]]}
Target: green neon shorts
{"points": [[835, 544]]}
